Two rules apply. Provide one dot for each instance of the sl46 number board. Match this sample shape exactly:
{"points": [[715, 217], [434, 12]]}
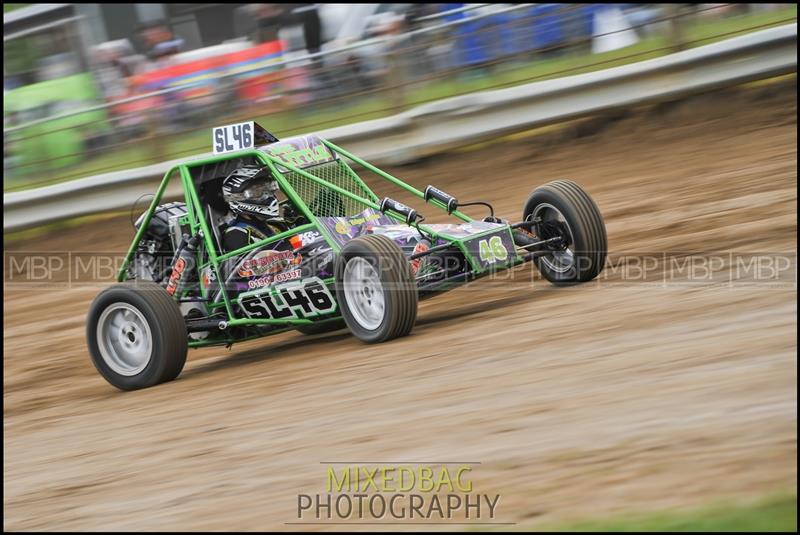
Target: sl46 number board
{"points": [[233, 137], [293, 300]]}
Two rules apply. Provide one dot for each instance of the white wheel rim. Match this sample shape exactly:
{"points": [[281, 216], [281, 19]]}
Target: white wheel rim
{"points": [[558, 261], [124, 339], [364, 293]]}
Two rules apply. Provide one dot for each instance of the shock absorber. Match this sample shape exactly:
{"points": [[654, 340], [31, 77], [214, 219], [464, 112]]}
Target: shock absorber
{"points": [[183, 265], [450, 202], [390, 204]]}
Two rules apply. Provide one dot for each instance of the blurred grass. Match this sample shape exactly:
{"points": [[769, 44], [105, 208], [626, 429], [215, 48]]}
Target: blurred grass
{"points": [[774, 513], [699, 31], [12, 7]]}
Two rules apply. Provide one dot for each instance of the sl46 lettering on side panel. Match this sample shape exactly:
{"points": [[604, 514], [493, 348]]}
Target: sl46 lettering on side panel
{"points": [[294, 300]]}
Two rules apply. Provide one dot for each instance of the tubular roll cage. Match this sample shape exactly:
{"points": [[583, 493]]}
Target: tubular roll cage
{"points": [[198, 223]]}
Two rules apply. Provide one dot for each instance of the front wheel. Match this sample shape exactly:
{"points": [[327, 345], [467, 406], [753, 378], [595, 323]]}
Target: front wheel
{"points": [[565, 213], [136, 335], [375, 289]]}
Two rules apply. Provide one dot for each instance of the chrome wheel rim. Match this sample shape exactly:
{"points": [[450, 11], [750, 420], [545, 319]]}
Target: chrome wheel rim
{"points": [[364, 293], [560, 261], [124, 339]]}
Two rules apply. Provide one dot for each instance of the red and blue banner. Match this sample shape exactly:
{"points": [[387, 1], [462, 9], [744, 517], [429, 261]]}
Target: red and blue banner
{"points": [[254, 61]]}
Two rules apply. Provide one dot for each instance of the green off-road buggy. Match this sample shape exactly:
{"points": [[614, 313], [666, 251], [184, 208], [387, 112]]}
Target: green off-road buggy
{"points": [[345, 258]]}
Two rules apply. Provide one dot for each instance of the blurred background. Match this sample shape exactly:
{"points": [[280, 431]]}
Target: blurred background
{"points": [[93, 88]]}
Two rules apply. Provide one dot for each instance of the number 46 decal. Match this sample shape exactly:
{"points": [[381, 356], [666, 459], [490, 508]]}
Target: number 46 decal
{"points": [[492, 250]]}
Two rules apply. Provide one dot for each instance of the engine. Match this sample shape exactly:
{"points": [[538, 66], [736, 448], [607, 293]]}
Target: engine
{"points": [[156, 249]]}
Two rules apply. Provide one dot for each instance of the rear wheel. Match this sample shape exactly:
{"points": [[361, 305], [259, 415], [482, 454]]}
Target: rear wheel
{"points": [[565, 211], [375, 289], [136, 335]]}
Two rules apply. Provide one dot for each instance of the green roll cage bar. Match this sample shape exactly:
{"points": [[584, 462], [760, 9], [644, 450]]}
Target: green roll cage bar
{"points": [[197, 221]]}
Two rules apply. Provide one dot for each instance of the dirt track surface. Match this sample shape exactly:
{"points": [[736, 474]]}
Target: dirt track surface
{"points": [[604, 398]]}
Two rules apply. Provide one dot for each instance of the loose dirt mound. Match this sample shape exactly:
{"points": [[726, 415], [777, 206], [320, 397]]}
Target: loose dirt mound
{"points": [[616, 395]]}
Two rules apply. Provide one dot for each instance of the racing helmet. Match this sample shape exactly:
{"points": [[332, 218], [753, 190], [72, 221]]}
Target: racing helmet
{"points": [[250, 189]]}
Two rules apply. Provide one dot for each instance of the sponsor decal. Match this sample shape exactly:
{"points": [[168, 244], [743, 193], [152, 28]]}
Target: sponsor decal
{"points": [[267, 280], [465, 229], [208, 277], [343, 227], [301, 157], [296, 299], [418, 248], [268, 262], [175, 277], [365, 219], [271, 210], [316, 251], [301, 151], [303, 239]]}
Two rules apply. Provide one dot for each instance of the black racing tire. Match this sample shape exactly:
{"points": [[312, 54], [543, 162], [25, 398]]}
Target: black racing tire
{"points": [[391, 283], [147, 316], [321, 327], [585, 228]]}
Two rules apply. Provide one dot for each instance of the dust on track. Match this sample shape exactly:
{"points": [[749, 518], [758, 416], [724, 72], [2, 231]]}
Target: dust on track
{"points": [[607, 397]]}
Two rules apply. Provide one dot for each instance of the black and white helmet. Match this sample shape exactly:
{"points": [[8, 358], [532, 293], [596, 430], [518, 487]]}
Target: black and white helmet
{"points": [[251, 190]]}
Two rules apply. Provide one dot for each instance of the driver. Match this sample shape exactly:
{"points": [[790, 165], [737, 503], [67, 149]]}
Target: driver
{"points": [[250, 192]]}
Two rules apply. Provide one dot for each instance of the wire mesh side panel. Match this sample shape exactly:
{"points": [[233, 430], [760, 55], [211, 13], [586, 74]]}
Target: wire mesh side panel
{"points": [[324, 202]]}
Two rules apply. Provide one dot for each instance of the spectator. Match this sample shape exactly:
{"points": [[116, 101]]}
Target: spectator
{"points": [[271, 17], [312, 26], [158, 42], [161, 46]]}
